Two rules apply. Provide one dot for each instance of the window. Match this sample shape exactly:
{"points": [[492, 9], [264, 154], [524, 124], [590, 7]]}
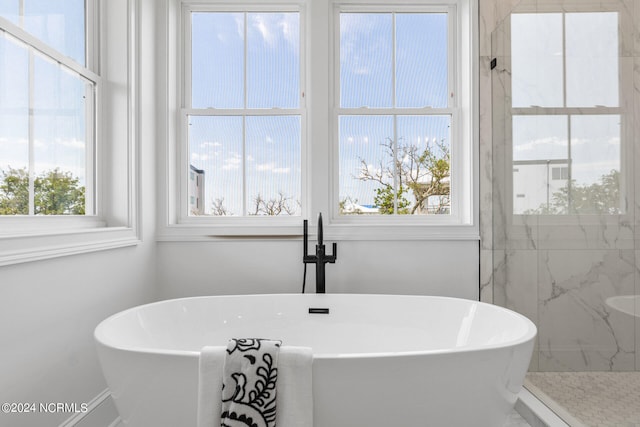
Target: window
{"points": [[568, 132], [69, 134], [368, 117], [47, 109], [244, 111], [396, 111]]}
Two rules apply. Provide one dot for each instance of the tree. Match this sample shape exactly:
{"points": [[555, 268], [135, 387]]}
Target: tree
{"points": [[281, 205], [423, 171], [218, 208], [385, 197], [55, 192], [602, 197], [14, 192]]}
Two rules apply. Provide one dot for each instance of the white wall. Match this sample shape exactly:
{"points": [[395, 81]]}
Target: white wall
{"points": [[49, 309], [447, 268]]}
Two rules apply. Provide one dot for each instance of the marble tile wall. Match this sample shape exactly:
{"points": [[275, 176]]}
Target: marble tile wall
{"points": [[560, 273]]}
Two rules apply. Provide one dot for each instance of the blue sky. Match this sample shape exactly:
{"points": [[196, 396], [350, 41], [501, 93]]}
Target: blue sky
{"points": [[58, 95], [272, 144]]}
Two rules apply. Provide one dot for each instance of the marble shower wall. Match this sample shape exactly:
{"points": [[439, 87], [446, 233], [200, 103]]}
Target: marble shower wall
{"points": [[560, 271]]}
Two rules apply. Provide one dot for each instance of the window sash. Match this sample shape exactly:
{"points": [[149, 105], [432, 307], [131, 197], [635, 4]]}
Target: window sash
{"points": [[86, 72], [244, 115], [186, 110], [452, 110]]}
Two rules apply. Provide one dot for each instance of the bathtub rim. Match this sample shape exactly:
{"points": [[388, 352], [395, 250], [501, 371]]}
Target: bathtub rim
{"points": [[530, 334]]}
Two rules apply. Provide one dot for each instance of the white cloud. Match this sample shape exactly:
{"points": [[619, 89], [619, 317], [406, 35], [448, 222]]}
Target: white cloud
{"points": [[71, 143], [360, 139], [208, 144], [265, 167], [537, 144], [239, 18], [232, 163], [195, 157], [289, 25], [260, 23], [271, 167], [274, 27], [19, 141]]}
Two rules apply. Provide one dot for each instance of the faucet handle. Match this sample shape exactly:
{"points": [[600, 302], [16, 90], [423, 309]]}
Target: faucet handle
{"points": [[332, 258], [305, 238], [320, 233]]}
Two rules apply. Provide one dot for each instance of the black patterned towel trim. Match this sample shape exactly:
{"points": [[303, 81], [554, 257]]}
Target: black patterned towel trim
{"points": [[249, 383]]}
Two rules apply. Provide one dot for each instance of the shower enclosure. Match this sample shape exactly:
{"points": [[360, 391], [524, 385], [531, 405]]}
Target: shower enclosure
{"points": [[565, 190]]}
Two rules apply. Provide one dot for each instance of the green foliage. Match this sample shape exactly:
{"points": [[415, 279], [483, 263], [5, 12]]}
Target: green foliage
{"points": [[14, 192], [601, 197], [385, 197], [55, 192], [421, 172]]}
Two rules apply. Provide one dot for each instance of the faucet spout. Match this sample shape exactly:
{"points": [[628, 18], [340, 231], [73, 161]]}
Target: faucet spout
{"points": [[320, 258]]}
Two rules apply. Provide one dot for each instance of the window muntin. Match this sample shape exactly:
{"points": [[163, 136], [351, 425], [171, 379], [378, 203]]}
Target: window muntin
{"points": [[396, 112], [47, 112], [573, 120], [244, 114]]}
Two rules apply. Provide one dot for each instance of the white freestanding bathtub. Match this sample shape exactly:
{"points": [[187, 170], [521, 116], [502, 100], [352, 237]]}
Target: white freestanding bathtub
{"points": [[379, 360]]}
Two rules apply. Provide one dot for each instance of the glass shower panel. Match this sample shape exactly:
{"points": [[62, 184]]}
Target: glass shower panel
{"points": [[537, 63], [592, 59], [540, 164], [595, 172]]}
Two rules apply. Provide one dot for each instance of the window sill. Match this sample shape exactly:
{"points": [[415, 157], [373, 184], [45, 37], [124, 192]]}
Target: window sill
{"points": [[16, 248], [332, 232]]}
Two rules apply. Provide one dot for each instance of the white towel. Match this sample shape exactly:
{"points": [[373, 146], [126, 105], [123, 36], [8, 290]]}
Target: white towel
{"points": [[210, 386], [294, 401]]}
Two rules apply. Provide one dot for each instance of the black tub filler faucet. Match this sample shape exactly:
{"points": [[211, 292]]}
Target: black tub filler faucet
{"points": [[320, 258]]}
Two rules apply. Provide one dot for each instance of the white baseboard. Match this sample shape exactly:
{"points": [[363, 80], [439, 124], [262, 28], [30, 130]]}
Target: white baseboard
{"points": [[100, 412]]}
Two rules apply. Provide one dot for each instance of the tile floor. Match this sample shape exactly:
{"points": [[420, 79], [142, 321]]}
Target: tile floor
{"points": [[593, 399]]}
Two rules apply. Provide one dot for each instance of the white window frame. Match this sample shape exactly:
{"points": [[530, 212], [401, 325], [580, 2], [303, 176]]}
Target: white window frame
{"points": [[319, 58], [462, 222], [450, 110], [233, 224], [113, 218]]}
